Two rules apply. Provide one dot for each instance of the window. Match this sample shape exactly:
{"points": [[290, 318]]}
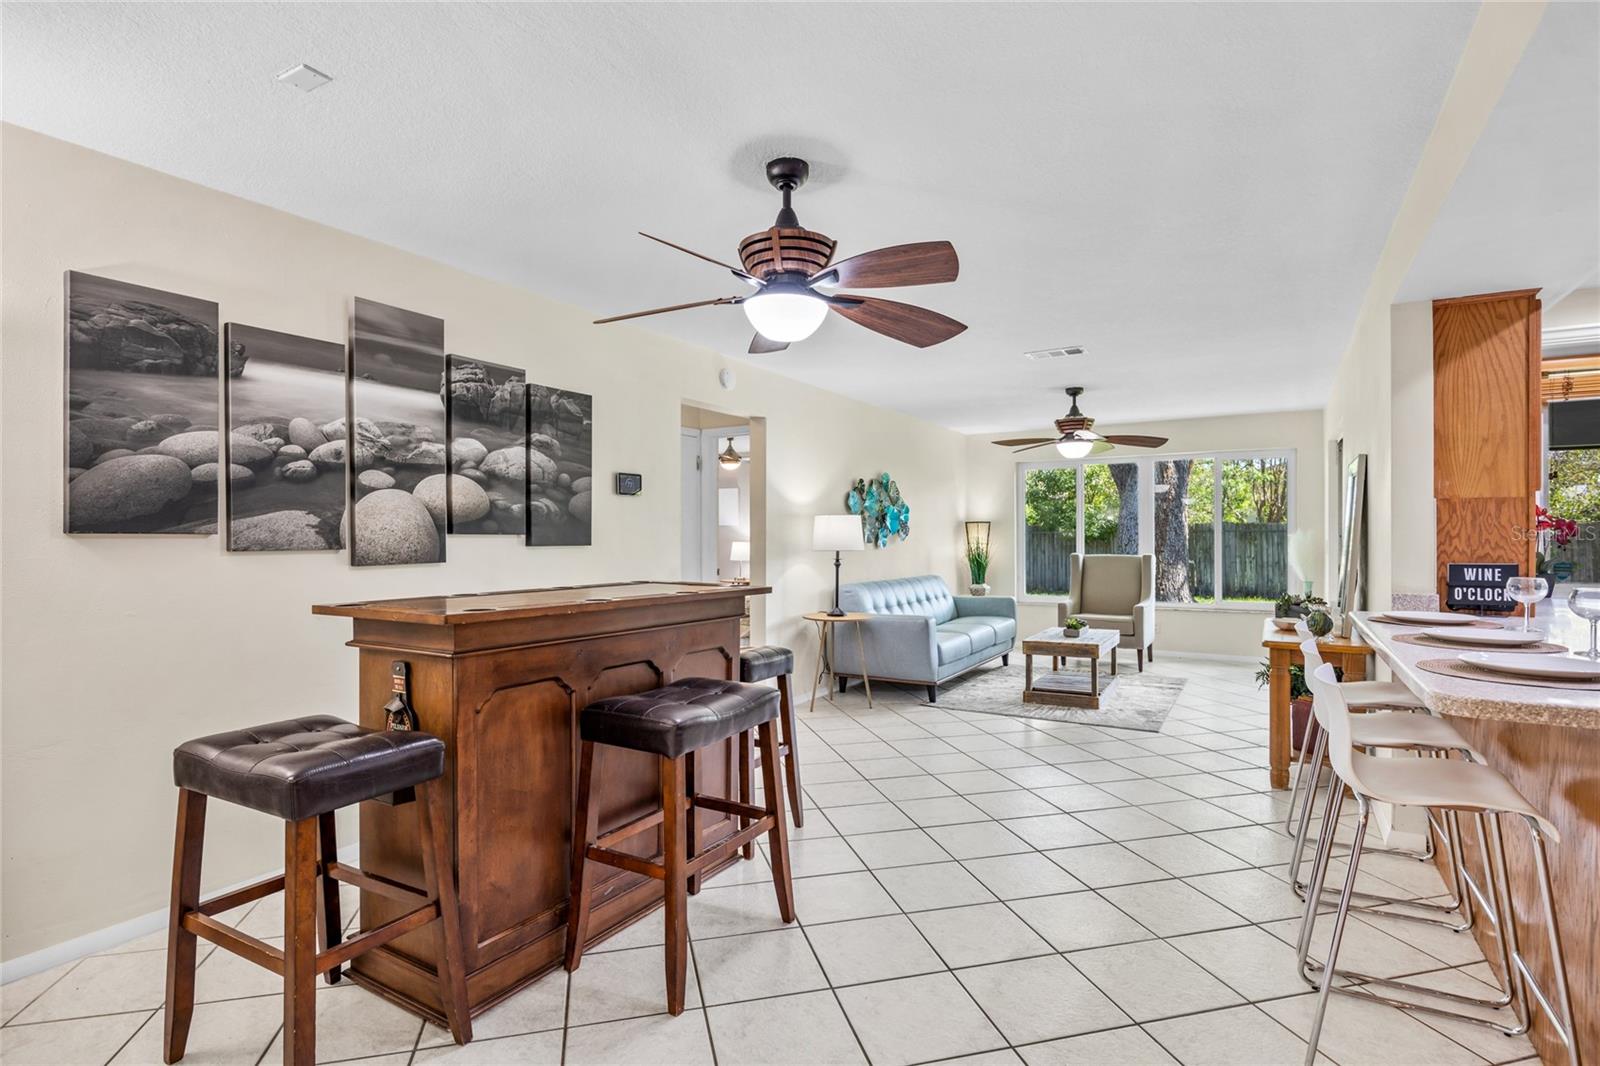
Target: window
{"points": [[1218, 525]]}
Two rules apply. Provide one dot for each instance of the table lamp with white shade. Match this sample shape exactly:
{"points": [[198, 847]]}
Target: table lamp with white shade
{"points": [[739, 552], [837, 533]]}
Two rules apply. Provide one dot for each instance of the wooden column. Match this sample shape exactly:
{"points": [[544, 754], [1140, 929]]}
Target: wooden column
{"points": [[1486, 428]]}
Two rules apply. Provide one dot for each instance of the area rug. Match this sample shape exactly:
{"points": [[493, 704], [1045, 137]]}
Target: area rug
{"points": [[1135, 701]]}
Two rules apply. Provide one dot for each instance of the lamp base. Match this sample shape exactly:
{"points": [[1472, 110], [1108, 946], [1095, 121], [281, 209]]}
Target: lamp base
{"points": [[836, 613]]}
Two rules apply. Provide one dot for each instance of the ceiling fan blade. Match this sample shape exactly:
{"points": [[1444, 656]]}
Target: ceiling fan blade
{"points": [[928, 263], [1023, 440], [674, 307], [1031, 447], [1101, 447], [1135, 440], [916, 326], [715, 262], [759, 345]]}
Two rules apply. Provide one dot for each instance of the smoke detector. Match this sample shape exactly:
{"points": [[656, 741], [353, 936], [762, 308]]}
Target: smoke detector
{"points": [[306, 79], [1041, 355]]}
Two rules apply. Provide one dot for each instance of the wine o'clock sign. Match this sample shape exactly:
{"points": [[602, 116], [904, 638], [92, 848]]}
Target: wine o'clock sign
{"points": [[1479, 587]]}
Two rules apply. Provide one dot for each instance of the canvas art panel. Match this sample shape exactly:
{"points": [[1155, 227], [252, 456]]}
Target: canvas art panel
{"points": [[560, 466], [285, 489], [141, 431], [393, 438], [486, 409]]}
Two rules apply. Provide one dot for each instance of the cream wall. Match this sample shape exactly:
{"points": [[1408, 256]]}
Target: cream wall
{"points": [[992, 495], [117, 648]]}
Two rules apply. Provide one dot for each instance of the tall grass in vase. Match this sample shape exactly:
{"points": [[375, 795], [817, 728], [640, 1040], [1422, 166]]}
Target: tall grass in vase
{"points": [[978, 568]]}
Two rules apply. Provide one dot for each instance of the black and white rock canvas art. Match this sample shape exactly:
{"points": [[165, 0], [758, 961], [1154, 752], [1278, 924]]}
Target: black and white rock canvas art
{"points": [[487, 411], [286, 478], [141, 432], [560, 465], [393, 437]]}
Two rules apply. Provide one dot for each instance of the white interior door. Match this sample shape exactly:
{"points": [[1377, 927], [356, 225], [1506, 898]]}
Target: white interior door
{"points": [[690, 546]]}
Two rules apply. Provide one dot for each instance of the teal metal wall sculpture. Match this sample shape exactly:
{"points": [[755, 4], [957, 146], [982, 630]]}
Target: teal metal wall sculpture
{"points": [[884, 515]]}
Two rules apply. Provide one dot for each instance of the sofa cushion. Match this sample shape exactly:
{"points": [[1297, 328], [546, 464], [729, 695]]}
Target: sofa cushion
{"points": [[927, 596], [1122, 623], [954, 644], [985, 630], [1109, 584]]}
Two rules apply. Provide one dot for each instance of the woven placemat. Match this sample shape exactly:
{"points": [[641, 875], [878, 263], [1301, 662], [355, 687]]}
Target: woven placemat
{"points": [[1457, 668], [1482, 623], [1422, 641]]}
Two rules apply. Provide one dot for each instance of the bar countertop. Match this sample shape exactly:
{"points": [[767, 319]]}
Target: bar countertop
{"points": [[470, 608], [1487, 699]]}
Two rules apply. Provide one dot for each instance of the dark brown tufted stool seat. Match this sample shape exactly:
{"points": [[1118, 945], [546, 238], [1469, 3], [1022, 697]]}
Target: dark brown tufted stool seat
{"points": [[673, 723], [303, 770], [761, 663]]}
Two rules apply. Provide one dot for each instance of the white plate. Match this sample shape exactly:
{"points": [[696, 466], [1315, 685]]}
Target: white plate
{"points": [[1558, 667], [1426, 618], [1504, 638]]}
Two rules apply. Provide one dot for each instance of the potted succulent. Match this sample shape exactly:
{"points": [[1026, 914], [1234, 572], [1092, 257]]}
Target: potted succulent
{"points": [[1302, 725], [1290, 605], [1072, 627], [978, 568]]}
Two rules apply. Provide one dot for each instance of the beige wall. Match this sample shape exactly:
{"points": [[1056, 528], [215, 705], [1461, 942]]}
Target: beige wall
{"points": [[117, 648], [992, 494]]}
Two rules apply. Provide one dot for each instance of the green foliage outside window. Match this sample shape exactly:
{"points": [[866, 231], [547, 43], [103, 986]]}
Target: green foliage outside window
{"points": [[1574, 484]]}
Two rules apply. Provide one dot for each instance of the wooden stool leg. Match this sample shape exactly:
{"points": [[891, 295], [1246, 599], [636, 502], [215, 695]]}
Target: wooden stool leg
{"points": [[585, 828], [791, 757], [690, 762], [331, 920], [439, 873], [778, 835], [186, 851], [300, 943], [676, 881], [744, 756]]}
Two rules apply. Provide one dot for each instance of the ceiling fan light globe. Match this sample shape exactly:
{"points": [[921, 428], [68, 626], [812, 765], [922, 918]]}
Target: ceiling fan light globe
{"points": [[785, 317], [1072, 448]]}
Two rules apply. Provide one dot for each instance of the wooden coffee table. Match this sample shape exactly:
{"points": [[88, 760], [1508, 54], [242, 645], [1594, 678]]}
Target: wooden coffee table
{"points": [[1058, 687]]}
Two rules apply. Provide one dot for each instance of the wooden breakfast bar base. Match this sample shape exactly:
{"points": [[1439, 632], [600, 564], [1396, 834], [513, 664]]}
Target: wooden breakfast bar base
{"points": [[501, 677], [1347, 654]]}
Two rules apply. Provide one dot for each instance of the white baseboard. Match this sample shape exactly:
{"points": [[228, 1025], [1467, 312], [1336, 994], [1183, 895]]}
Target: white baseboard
{"points": [[1207, 656], [113, 936]]}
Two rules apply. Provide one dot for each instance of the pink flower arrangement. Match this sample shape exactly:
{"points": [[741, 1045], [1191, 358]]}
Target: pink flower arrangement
{"points": [[1561, 530]]}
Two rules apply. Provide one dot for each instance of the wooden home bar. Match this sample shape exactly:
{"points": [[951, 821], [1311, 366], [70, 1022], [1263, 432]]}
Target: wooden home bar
{"points": [[501, 677]]}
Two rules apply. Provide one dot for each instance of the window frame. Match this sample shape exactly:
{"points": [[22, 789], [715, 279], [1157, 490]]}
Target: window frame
{"points": [[1147, 506]]}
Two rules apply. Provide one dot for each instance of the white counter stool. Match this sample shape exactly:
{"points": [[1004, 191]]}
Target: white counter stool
{"points": [[1359, 695], [1450, 784], [1399, 730]]}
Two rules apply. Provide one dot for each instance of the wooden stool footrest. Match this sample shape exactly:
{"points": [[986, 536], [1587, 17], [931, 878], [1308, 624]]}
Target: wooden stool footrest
{"points": [[239, 897], [342, 953], [381, 886], [242, 944]]}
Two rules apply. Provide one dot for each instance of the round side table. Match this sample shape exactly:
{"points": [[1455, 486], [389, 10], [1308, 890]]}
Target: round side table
{"points": [[825, 629]]}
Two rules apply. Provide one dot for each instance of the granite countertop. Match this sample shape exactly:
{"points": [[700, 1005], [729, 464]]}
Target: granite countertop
{"points": [[1486, 699]]}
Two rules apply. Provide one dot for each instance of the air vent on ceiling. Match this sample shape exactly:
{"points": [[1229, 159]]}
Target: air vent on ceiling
{"points": [[304, 78], [1043, 354]]}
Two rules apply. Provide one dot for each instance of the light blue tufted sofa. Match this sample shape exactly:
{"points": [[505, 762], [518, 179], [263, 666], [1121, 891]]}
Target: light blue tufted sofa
{"points": [[921, 633]]}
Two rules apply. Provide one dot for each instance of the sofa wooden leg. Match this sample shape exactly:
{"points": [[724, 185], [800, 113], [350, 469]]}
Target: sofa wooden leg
{"points": [[1005, 660], [844, 683], [933, 693], [1150, 652]]}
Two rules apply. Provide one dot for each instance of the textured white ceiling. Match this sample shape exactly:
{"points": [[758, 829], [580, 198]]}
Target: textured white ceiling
{"points": [[1525, 211], [1197, 193]]}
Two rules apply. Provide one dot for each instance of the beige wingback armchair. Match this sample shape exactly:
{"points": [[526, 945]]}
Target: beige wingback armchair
{"points": [[1115, 592]]}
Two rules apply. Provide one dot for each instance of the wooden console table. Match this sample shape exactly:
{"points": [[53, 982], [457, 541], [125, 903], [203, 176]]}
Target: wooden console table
{"points": [[501, 677], [1283, 651]]}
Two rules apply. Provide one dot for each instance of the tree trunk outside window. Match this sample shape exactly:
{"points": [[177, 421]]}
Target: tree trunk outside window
{"points": [[1126, 476]]}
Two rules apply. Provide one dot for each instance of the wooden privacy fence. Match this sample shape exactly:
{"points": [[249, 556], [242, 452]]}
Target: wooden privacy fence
{"points": [[1255, 560], [1583, 553]]}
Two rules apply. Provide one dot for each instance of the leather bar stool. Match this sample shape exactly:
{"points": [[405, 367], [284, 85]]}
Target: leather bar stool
{"points": [[1469, 788], [759, 664], [672, 723], [302, 770]]}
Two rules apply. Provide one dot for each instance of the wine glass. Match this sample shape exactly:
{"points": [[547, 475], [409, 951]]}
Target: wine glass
{"points": [[1585, 603], [1527, 591]]}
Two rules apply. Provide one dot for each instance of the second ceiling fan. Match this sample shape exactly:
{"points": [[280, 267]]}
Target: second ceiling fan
{"points": [[1078, 438], [790, 266]]}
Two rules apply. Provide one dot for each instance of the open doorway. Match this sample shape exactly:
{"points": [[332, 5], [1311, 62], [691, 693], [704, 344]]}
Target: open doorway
{"points": [[715, 455]]}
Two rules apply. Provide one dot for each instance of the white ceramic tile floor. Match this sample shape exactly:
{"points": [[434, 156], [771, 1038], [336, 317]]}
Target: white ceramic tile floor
{"points": [[970, 888]]}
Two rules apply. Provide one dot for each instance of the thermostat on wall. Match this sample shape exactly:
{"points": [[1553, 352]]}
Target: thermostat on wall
{"points": [[630, 484]]}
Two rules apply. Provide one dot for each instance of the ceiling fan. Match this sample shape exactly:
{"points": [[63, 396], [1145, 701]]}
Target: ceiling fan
{"points": [[788, 266], [1078, 437]]}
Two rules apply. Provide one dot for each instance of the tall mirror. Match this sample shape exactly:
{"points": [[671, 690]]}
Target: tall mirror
{"points": [[1351, 590]]}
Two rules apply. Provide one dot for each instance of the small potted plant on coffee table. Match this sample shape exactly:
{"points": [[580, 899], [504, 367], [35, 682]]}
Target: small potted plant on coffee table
{"points": [[1073, 627]]}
